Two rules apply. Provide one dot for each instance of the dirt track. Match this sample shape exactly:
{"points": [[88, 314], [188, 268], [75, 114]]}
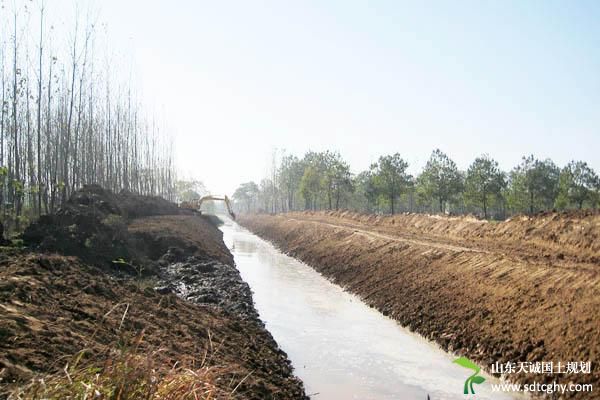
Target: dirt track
{"points": [[527, 289]]}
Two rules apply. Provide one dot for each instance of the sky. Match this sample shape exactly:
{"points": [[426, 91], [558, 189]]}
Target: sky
{"points": [[237, 80]]}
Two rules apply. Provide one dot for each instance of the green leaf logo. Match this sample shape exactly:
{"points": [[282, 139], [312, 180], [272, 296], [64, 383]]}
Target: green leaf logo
{"points": [[475, 378]]}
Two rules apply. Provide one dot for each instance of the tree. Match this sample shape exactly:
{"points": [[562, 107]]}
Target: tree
{"points": [[310, 187], [440, 179], [290, 174], [267, 192], [69, 137], [322, 180], [337, 179], [246, 194], [484, 182], [390, 177], [15, 183], [331, 167], [364, 194], [342, 181], [318, 184], [577, 184], [39, 112], [533, 185]]}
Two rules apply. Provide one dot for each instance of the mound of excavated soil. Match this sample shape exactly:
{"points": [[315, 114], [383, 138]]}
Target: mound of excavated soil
{"points": [[154, 235], [140, 271], [527, 289], [195, 263], [52, 307], [574, 233], [92, 224]]}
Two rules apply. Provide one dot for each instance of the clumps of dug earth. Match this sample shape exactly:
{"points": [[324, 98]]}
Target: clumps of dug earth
{"points": [[204, 281], [93, 224], [124, 296]]}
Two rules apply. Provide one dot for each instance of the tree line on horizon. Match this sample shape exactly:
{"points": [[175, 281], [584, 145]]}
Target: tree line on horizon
{"points": [[324, 181], [66, 120]]}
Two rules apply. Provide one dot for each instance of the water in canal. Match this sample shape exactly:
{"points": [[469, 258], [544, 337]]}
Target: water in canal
{"points": [[339, 347]]}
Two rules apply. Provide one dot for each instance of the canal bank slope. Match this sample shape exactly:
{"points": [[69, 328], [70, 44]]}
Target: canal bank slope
{"points": [[523, 290], [119, 293]]}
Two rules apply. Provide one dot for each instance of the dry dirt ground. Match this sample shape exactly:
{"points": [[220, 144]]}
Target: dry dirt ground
{"points": [[53, 306], [527, 289]]}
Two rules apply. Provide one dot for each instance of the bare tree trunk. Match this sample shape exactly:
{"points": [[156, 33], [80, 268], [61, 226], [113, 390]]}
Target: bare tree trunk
{"points": [[51, 181], [42, 160], [79, 115], [531, 202], [29, 164], [485, 205], [2, 113], [17, 176], [67, 141], [39, 114]]}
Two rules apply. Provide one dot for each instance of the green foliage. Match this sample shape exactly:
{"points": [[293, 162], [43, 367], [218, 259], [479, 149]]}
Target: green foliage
{"points": [[533, 185], [289, 175], [3, 174], [440, 180], [18, 187], [310, 186], [338, 179], [365, 192], [578, 184], [247, 194], [323, 180], [484, 183], [389, 178], [34, 189]]}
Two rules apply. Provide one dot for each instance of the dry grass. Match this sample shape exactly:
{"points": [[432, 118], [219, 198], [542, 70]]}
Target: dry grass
{"points": [[127, 374], [52, 307]]}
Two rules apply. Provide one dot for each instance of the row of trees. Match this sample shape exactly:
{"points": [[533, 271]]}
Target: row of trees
{"points": [[324, 181], [66, 121]]}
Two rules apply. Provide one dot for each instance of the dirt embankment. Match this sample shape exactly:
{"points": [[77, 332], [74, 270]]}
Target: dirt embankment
{"points": [[527, 289], [162, 284]]}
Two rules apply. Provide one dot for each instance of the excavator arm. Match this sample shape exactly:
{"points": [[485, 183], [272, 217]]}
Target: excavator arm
{"points": [[197, 204]]}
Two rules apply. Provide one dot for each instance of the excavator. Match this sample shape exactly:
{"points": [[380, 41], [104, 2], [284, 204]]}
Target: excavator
{"points": [[195, 205]]}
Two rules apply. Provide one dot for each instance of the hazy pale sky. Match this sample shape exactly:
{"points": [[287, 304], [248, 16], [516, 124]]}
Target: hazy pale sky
{"points": [[236, 79]]}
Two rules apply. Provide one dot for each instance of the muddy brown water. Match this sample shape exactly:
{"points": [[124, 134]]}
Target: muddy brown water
{"points": [[340, 347]]}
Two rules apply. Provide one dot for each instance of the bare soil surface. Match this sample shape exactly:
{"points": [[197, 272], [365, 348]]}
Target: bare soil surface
{"points": [[527, 289], [192, 233], [174, 293]]}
